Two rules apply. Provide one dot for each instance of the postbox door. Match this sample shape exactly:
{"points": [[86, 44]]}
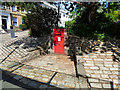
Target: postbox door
{"points": [[59, 41]]}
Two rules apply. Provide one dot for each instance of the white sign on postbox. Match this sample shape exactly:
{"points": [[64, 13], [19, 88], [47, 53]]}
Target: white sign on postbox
{"points": [[59, 39]]}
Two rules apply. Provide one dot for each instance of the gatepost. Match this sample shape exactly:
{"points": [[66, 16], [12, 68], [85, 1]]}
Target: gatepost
{"points": [[12, 32]]}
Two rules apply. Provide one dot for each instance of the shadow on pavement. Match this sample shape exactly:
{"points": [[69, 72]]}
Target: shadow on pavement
{"points": [[8, 55], [8, 77]]}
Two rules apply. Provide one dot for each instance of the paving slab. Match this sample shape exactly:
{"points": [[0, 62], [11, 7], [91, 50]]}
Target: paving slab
{"points": [[49, 78], [58, 63]]}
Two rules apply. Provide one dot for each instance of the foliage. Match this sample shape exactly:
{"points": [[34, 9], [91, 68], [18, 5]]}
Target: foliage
{"points": [[99, 36], [114, 15], [23, 26], [94, 22], [69, 24], [29, 33]]}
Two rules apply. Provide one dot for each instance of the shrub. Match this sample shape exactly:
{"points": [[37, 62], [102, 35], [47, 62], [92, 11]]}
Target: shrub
{"points": [[23, 26], [29, 33]]}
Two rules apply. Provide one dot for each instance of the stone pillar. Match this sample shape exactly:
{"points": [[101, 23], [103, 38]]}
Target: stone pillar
{"points": [[0, 22], [8, 22]]}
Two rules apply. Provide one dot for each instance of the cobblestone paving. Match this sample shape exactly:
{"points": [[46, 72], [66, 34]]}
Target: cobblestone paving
{"points": [[102, 71], [49, 78]]}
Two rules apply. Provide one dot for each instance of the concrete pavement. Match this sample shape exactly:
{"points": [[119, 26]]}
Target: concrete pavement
{"points": [[7, 37]]}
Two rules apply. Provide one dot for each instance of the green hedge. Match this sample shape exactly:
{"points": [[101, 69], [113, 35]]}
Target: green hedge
{"points": [[23, 26]]}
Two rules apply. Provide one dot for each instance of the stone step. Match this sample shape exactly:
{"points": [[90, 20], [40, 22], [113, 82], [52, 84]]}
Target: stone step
{"points": [[13, 65]]}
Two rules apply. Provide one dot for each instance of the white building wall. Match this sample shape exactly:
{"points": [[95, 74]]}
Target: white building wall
{"points": [[62, 12], [5, 13], [8, 22], [63, 19], [0, 22]]}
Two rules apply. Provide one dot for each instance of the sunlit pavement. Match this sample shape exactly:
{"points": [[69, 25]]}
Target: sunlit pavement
{"points": [[7, 36]]}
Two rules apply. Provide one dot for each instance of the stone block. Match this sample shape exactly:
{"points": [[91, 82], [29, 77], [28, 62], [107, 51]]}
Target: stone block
{"points": [[88, 64], [109, 57], [98, 59], [113, 76], [86, 56], [17, 77], [116, 86], [43, 86], [98, 71], [108, 62], [96, 85], [45, 80], [34, 84], [106, 86], [89, 71], [114, 69], [109, 52], [104, 68], [98, 62], [115, 72], [93, 80], [86, 67], [77, 85], [93, 56], [115, 66], [88, 75], [108, 65], [107, 72], [94, 68], [53, 81], [102, 54], [102, 57], [99, 65], [31, 76], [116, 81], [25, 81], [89, 59], [104, 76], [95, 75]]}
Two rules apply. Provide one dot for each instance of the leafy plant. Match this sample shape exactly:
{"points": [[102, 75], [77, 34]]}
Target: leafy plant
{"points": [[29, 33], [100, 36], [23, 26]]}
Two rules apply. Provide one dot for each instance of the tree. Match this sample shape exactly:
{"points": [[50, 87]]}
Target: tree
{"points": [[92, 19]]}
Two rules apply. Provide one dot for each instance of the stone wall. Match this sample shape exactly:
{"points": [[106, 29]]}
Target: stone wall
{"points": [[101, 60]]}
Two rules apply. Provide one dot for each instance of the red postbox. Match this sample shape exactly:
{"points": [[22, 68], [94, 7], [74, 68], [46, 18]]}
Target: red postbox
{"points": [[58, 41]]}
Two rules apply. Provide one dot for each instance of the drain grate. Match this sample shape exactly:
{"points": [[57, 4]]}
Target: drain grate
{"points": [[49, 64]]}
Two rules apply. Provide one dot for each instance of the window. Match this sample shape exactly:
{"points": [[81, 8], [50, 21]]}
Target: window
{"points": [[29, 11], [14, 21], [22, 10], [22, 21], [13, 8], [3, 6]]}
